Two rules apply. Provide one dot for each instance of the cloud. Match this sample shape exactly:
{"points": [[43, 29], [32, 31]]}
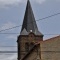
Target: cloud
{"points": [[57, 0], [12, 37], [5, 3], [7, 25], [39, 1], [13, 57], [8, 56]]}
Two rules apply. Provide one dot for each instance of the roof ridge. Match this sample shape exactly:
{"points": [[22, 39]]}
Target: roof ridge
{"points": [[52, 38]]}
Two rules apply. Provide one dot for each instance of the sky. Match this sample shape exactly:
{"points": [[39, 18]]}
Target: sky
{"points": [[12, 14]]}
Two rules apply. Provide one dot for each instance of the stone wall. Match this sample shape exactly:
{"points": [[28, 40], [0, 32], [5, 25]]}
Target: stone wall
{"points": [[50, 49]]}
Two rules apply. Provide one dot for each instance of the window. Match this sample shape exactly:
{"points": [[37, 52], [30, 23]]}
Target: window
{"points": [[27, 47], [31, 45]]}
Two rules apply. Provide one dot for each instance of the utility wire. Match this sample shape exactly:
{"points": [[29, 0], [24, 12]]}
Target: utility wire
{"points": [[8, 51], [21, 51], [19, 33], [49, 16], [36, 20], [7, 54], [16, 46], [9, 33], [10, 28], [8, 46]]}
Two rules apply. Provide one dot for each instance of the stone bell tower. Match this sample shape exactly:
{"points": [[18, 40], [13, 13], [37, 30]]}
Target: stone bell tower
{"points": [[29, 34]]}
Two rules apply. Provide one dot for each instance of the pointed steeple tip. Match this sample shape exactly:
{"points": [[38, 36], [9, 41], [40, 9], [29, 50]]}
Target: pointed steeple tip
{"points": [[28, 1]]}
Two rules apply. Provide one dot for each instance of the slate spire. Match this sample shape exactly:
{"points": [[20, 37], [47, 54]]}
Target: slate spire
{"points": [[29, 23]]}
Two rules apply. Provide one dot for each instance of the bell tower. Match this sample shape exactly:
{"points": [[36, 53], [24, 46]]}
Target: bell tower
{"points": [[29, 34]]}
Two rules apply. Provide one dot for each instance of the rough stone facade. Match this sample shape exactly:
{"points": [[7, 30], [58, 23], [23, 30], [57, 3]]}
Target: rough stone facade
{"points": [[50, 49], [31, 39]]}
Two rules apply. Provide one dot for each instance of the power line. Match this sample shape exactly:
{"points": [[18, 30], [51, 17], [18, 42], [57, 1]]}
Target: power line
{"points": [[24, 51], [36, 20], [19, 33], [9, 33], [51, 34], [10, 28], [8, 51], [8, 54], [49, 16], [8, 46]]}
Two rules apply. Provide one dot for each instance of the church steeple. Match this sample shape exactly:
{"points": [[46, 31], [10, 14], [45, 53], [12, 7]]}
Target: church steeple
{"points": [[29, 23], [29, 35]]}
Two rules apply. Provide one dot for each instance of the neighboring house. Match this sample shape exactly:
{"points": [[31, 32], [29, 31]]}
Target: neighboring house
{"points": [[30, 41], [50, 49]]}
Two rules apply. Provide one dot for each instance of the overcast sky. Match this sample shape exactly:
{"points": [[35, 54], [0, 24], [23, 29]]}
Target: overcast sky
{"points": [[12, 14]]}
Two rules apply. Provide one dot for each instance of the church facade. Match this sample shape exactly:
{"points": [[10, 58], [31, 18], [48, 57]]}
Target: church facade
{"points": [[30, 41]]}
